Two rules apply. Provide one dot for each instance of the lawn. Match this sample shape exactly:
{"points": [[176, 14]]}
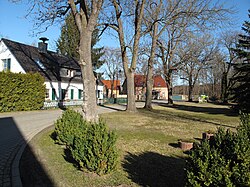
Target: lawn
{"points": [[147, 143]]}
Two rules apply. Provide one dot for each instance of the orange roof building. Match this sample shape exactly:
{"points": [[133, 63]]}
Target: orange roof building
{"points": [[108, 88], [160, 89], [108, 84]]}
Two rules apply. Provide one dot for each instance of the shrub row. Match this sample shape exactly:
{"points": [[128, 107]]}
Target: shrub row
{"points": [[19, 92], [225, 161], [91, 145]]}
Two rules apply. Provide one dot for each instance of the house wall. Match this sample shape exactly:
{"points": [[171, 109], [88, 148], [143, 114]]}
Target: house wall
{"points": [[163, 92], [140, 93], [5, 54], [59, 86], [116, 93]]}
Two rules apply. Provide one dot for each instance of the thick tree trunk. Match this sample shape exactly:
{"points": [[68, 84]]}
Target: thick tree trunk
{"points": [[149, 85], [89, 106], [169, 85], [190, 93], [131, 106]]}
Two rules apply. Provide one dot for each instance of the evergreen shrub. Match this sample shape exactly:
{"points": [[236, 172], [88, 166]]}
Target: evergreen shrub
{"points": [[224, 161], [21, 92], [96, 150], [70, 125], [91, 145]]}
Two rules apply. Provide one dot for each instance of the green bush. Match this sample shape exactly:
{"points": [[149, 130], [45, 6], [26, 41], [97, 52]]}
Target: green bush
{"points": [[225, 161], [19, 92], [70, 125], [96, 150]]}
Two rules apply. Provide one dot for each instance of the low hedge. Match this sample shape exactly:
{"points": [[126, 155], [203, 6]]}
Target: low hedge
{"points": [[21, 92]]}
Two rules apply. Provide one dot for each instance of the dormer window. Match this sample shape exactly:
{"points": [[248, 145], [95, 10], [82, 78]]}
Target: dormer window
{"points": [[6, 64], [70, 73], [40, 65]]}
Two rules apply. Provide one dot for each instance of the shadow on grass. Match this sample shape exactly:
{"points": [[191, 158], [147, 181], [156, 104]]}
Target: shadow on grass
{"points": [[68, 158], [208, 110], [33, 173], [174, 145], [154, 170], [155, 113], [112, 108]]}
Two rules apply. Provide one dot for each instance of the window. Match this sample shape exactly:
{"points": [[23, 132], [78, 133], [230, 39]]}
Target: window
{"points": [[6, 64], [40, 64], [64, 94], [71, 73], [47, 94], [80, 94]]}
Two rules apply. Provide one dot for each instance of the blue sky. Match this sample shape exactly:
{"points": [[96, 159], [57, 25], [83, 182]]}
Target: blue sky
{"points": [[14, 25]]}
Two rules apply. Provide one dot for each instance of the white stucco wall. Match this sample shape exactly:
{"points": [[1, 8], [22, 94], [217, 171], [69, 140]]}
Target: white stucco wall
{"points": [[67, 86], [5, 53]]}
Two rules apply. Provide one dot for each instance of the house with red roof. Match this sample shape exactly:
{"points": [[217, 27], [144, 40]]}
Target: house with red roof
{"points": [[160, 89], [111, 88]]}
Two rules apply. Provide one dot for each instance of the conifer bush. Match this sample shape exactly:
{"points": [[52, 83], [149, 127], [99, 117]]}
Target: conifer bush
{"points": [[96, 151], [224, 161], [70, 125], [91, 145]]}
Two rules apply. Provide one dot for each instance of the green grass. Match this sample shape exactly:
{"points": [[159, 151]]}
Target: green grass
{"points": [[147, 142]]}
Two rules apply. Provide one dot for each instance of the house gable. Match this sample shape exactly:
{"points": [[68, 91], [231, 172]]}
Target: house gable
{"points": [[52, 66], [6, 54]]}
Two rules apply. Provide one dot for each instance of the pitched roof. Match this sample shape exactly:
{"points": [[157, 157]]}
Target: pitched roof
{"points": [[48, 64], [159, 81], [108, 83], [140, 81]]}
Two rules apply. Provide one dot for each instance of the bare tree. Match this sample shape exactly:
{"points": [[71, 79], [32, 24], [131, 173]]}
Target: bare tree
{"points": [[135, 11], [152, 21], [194, 57], [228, 41], [113, 64], [184, 17], [85, 14]]}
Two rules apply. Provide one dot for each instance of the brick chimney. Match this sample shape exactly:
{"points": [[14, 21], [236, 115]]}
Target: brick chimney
{"points": [[42, 46]]}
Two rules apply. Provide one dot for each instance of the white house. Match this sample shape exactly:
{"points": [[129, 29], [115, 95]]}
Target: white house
{"points": [[62, 74]]}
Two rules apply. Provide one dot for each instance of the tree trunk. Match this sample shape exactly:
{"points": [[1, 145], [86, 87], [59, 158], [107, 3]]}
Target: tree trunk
{"points": [[169, 85], [190, 93], [131, 106], [224, 94], [149, 85], [89, 106]]}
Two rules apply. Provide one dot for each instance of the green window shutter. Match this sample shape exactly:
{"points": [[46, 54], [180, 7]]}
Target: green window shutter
{"points": [[53, 94], [63, 94], [72, 94], [79, 94], [8, 64]]}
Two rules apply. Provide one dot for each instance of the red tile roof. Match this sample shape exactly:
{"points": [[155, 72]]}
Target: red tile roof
{"points": [[108, 84], [140, 81], [159, 81]]}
